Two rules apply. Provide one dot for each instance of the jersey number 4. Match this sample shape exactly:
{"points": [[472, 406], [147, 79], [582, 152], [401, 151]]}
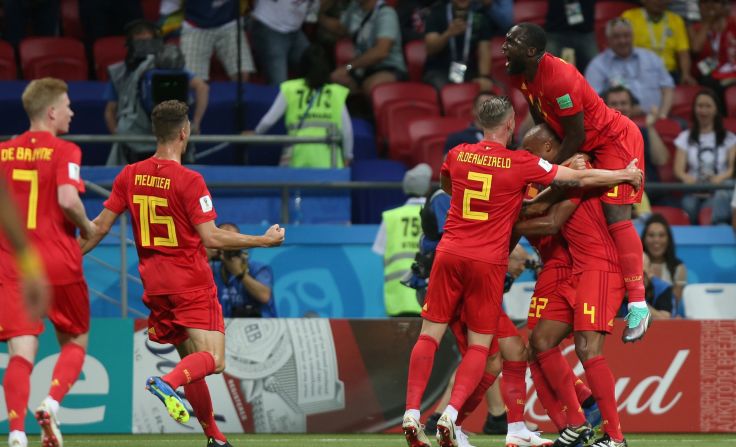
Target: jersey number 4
{"points": [[483, 194], [30, 176], [147, 213]]}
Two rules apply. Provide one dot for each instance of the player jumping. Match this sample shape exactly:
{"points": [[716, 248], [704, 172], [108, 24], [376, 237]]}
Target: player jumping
{"points": [[174, 221]]}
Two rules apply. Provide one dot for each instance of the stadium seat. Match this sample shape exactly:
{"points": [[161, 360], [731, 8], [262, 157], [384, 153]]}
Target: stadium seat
{"points": [[531, 11], [107, 51], [427, 138], [605, 11], [457, 99], [673, 215], [71, 24], [60, 57], [415, 54], [516, 301], [668, 129], [730, 123], [394, 91], [521, 107], [682, 102], [731, 101], [710, 301], [151, 10], [344, 52], [705, 217], [367, 205], [398, 115], [8, 67]]}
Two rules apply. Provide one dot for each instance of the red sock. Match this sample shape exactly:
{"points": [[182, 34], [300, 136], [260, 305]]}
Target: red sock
{"points": [[547, 397], [559, 375], [66, 371], [603, 387], [475, 398], [198, 395], [420, 368], [17, 387], [513, 390], [468, 374], [630, 252], [582, 390], [190, 369]]}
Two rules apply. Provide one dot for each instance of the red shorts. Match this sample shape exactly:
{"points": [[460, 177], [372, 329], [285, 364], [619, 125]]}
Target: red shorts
{"points": [[14, 320], [172, 315], [70, 308], [464, 288], [506, 328], [599, 296], [617, 155], [553, 298]]}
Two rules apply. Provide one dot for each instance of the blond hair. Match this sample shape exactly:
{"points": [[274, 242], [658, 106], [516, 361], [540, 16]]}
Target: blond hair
{"points": [[40, 94], [168, 118]]}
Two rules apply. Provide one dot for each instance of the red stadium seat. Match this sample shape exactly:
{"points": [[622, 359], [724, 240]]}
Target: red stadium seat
{"points": [[521, 107], [668, 129], [71, 24], [427, 137], [605, 11], [8, 67], [673, 215], [682, 102], [398, 115], [108, 51], [457, 99], [60, 57], [531, 11], [705, 217], [151, 10], [731, 101], [384, 94], [730, 123], [344, 52], [415, 54]]}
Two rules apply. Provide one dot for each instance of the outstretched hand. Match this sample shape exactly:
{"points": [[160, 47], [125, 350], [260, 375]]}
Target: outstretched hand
{"points": [[636, 174], [275, 234]]}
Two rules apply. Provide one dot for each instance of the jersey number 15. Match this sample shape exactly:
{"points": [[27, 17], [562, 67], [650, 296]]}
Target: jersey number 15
{"points": [[147, 214]]}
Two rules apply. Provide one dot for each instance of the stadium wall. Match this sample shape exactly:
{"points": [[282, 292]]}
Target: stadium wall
{"points": [[328, 376]]}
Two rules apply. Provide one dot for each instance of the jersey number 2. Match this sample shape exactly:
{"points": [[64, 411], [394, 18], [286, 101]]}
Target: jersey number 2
{"points": [[147, 206], [483, 194], [31, 176]]}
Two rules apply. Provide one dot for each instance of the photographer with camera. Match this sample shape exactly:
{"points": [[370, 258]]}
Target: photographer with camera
{"points": [[244, 287], [151, 73]]}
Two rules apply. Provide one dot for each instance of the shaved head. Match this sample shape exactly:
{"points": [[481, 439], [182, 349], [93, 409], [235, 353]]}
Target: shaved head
{"points": [[541, 141]]}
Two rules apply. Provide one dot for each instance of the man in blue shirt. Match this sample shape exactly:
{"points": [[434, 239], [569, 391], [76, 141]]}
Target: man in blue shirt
{"points": [[638, 69], [244, 287]]}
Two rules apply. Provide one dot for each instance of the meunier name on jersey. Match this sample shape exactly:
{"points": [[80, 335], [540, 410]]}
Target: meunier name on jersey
{"points": [[26, 154], [153, 181], [484, 160]]}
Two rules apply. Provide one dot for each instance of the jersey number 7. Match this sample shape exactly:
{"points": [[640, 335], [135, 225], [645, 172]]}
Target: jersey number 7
{"points": [[147, 213], [31, 176], [483, 194]]}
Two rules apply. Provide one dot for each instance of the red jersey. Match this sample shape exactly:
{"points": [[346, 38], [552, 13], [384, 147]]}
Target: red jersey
{"points": [[488, 184], [166, 201], [560, 90], [586, 232], [552, 250], [34, 165]]}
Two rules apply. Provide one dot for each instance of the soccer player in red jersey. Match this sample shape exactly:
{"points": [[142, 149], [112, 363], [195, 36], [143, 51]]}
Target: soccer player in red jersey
{"points": [[599, 292], [559, 95], [486, 182], [43, 172], [174, 220]]}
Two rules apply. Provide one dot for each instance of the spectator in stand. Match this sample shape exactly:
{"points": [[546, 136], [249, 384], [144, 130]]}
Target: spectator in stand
{"points": [[713, 43], [687, 9], [374, 29], [638, 69], [501, 15], [312, 106], [244, 287], [473, 133], [455, 34], [102, 18], [658, 294], [277, 27], [43, 15], [664, 33], [705, 154], [570, 31], [413, 15], [655, 151], [659, 245], [212, 27]]}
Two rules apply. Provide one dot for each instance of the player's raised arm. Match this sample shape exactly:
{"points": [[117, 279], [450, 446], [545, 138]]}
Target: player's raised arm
{"points": [[593, 178], [219, 239], [550, 223]]}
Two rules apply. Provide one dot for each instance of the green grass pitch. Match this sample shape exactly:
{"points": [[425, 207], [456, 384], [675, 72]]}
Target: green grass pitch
{"points": [[352, 440]]}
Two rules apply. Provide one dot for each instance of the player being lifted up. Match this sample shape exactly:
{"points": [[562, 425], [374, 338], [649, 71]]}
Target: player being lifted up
{"points": [[599, 291], [486, 182], [174, 220], [560, 96], [43, 172]]}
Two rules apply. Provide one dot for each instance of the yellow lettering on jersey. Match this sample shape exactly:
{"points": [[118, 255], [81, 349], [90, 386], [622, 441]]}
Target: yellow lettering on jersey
{"points": [[590, 312], [26, 154], [613, 192], [484, 160], [7, 154], [152, 181]]}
